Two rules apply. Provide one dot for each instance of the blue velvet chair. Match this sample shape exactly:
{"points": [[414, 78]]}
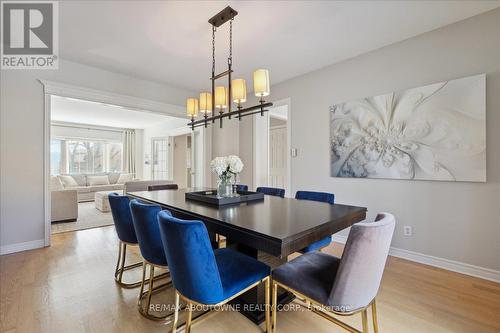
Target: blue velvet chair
{"points": [[120, 210], [320, 197], [241, 187], [277, 192], [202, 276], [145, 220], [344, 286]]}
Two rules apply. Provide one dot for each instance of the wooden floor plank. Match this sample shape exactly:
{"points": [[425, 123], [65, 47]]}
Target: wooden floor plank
{"points": [[69, 287]]}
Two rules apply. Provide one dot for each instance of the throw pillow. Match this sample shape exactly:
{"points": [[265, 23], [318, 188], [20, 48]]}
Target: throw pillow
{"points": [[125, 177], [97, 180], [68, 181], [56, 184]]}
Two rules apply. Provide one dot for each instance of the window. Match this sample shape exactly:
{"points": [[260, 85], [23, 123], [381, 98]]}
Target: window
{"points": [[114, 156], [56, 158], [85, 157], [75, 156], [160, 159]]}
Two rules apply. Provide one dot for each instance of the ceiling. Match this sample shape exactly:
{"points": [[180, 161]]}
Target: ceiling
{"points": [[69, 110], [170, 41]]}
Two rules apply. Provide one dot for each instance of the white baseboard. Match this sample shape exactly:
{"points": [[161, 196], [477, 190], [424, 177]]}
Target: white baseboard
{"points": [[450, 265], [18, 247]]}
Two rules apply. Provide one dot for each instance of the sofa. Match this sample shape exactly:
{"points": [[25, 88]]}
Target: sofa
{"points": [[63, 202], [86, 185]]}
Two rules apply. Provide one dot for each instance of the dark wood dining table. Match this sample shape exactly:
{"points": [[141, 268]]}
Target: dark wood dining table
{"points": [[268, 230]]}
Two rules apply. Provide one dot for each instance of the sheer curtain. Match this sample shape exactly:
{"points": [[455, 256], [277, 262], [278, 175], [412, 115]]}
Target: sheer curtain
{"points": [[129, 151]]}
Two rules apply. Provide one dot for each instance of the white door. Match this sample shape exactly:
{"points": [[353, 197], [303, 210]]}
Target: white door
{"points": [[159, 158], [277, 157]]}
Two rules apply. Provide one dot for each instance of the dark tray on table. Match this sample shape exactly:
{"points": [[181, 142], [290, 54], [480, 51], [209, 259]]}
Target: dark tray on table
{"points": [[210, 197]]}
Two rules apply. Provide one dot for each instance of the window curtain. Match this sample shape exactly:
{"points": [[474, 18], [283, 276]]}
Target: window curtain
{"points": [[129, 151]]}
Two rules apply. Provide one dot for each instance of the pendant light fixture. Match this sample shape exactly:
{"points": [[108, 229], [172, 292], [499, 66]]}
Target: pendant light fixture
{"points": [[218, 103]]}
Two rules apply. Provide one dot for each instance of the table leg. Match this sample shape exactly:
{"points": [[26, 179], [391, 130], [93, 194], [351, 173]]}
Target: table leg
{"points": [[251, 303]]}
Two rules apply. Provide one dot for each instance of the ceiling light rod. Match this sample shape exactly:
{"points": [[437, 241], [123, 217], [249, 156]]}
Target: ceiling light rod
{"points": [[200, 123], [221, 98], [218, 76], [238, 113]]}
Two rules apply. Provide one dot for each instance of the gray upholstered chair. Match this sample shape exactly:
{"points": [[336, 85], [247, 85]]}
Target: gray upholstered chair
{"points": [[343, 286]]}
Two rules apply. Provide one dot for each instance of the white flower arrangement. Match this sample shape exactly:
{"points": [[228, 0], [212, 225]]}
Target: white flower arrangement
{"points": [[227, 166], [234, 163]]}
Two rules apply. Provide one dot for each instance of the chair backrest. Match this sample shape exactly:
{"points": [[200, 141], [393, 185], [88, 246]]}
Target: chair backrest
{"points": [[362, 264], [241, 187], [163, 187], [316, 196], [277, 192], [191, 260], [146, 227], [120, 210]]}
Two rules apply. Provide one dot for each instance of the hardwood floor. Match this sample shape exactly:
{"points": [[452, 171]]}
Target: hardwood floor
{"points": [[69, 287], [88, 217]]}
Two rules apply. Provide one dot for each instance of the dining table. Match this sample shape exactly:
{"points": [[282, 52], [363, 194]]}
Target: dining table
{"points": [[268, 230]]}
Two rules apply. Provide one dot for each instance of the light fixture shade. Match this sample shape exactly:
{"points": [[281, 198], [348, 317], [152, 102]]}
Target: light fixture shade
{"points": [[239, 89], [192, 107], [205, 102], [261, 84], [220, 97]]}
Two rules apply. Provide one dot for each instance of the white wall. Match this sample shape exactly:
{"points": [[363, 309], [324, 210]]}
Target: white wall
{"points": [[180, 157], [453, 220], [21, 139], [225, 141], [260, 166], [245, 149]]}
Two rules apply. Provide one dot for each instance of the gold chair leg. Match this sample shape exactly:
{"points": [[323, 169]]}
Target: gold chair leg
{"points": [[189, 317], [176, 313], [143, 281], [144, 309], [274, 306], [118, 260], [151, 281], [364, 319], [122, 264], [120, 268], [268, 304], [374, 317]]}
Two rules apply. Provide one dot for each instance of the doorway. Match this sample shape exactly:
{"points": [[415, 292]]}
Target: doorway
{"points": [[96, 149], [99, 149]]}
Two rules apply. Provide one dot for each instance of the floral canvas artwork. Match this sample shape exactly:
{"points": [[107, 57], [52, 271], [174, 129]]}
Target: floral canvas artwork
{"points": [[434, 132]]}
